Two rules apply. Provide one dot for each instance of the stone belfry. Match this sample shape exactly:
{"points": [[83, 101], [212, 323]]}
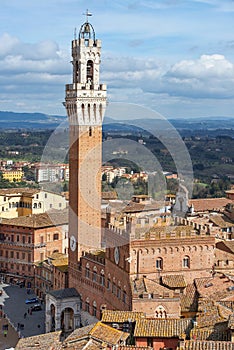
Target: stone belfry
{"points": [[85, 103]]}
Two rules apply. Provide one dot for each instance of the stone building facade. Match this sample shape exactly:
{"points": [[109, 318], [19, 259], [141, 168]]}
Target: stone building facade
{"points": [[16, 202], [26, 240]]}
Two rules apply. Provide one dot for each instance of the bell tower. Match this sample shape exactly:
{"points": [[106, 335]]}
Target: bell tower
{"points": [[85, 103]]}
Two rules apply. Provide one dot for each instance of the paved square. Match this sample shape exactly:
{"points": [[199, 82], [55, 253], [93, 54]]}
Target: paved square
{"points": [[13, 301]]}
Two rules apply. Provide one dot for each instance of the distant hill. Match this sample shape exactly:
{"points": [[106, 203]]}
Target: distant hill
{"points": [[12, 120]]}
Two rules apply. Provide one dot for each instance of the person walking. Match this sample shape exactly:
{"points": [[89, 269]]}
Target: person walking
{"points": [[25, 315]]}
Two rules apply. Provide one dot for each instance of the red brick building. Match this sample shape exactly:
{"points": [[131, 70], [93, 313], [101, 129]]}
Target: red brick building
{"points": [[148, 275], [51, 274], [29, 239]]}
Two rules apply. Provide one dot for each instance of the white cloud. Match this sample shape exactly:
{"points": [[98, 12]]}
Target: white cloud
{"points": [[39, 72], [210, 76], [206, 66], [10, 45]]}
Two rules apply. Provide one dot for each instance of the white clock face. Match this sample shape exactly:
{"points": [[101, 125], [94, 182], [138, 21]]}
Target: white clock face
{"points": [[73, 243], [116, 255]]}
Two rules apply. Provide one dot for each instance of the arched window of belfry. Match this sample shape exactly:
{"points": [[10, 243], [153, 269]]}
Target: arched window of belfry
{"points": [[89, 75], [100, 110], [83, 110], [89, 110], [95, 110]]}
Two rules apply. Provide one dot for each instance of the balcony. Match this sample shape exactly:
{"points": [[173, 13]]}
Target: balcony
{"points": [[17, 261], [21, 244], [39, 245], [16, 244]]}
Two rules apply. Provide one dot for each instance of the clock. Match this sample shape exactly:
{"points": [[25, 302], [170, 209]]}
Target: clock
{"points": [[73, 243], [116, 255]]}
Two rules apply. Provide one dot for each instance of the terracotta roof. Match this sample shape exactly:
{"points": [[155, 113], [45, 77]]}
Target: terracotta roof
{"points": [[87, 344], [133, 207], [215, 288], [207, 345], [40, 342], [227, 246], [134, 347], [230, 192], [166, 328], [120, 316], [221, 221], [18, 191], [64, 293], [174, 281], [100, 332], [189, 300], [109, 195], [145, 285], [218, 332], [208, 314], [208, 204], [56, 218], [152, 286], [80, 333], [108, 334], [60, 262]]}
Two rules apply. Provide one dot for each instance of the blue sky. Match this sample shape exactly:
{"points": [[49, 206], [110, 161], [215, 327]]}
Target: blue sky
{"points": [[174, 56]]}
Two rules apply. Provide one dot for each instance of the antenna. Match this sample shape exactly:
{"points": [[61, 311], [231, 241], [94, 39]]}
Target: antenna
{"points": [[87, 14], [75, 33]]}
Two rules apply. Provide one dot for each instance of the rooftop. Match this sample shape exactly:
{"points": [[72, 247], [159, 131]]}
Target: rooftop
{"points": [[207, 344], [18, 191], [166, 328], [209, 204], [64, 293], [174, 281], [189, 300], [221, 221], [100, 332], [40, 342], [48, 219], [120, 316], [146, 285]]}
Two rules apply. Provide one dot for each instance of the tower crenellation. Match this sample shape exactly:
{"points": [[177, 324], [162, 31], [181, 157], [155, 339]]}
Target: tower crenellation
{"points": [[86, 97]]}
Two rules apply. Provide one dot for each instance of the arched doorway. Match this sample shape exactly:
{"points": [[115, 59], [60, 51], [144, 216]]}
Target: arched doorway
{"points": [[52, 315], [67, 320]]}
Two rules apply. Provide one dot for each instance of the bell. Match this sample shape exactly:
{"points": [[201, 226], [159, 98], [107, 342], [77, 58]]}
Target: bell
{"points": [[87, 28]]}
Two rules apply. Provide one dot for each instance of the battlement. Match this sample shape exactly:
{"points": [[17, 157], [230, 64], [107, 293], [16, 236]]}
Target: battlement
{"points": [[98, 256], [79, 86]]}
